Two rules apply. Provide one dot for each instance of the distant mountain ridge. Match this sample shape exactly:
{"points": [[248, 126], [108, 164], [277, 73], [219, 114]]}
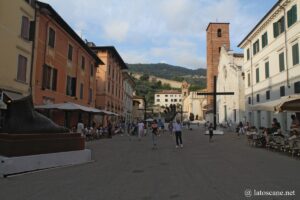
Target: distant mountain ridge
{"points": [[171, 72]]}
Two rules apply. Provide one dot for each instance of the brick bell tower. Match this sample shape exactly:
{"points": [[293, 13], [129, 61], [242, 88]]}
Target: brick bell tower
{"points": [[217, 35]]}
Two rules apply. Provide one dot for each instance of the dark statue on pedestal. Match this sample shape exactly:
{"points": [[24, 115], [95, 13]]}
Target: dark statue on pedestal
{"points": [[170, 113], [21, 118]]}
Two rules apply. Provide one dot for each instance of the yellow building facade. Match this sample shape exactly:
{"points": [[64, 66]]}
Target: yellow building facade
{"points": [[16, 47]]}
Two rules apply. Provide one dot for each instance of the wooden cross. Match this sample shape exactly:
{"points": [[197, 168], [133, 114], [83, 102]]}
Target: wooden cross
{"points": [[214, 94]]}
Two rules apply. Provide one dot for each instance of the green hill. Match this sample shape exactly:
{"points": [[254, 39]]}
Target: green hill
{"points": [[194, 77]]}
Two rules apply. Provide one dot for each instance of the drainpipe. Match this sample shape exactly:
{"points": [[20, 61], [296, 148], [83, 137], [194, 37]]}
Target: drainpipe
{"points": [[286, 49], [251, 74], [32, 50]]}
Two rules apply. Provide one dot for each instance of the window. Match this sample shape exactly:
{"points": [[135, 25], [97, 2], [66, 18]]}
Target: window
{"points": [[295, 53], [257, 75], [179, 100], [268, 95], [25, 28], [22, 68], [49, 78], [90, 95], [171, 100], [92, 70], [108, 86], [51, 39], [264, 39], [281, 62], [82, 62], [249, 100], [166, 95], [157, 95], [249, 80], [278, 27], [248, 54], [282, 91], [71, 86], [166, 100], [175, 100], [81, 91], [158, 100], [257, 98], [297, 87], [70, 52], [219, 33], [256, 47], [267, 72], [292, 15]]}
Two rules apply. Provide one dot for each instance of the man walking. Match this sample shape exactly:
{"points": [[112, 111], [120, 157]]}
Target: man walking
{"points": [[178, 133]]}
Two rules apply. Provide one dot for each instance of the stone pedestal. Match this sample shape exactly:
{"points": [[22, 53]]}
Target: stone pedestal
{"points": [[21, 164], [28, 152], [216, 132], [12, 145]]}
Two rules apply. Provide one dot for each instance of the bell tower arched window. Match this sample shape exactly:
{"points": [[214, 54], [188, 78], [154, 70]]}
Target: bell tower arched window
{"points": [[219, 32]]}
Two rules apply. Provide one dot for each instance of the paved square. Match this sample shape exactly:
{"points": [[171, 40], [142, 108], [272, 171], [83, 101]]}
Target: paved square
{"points": [[126, 168]]}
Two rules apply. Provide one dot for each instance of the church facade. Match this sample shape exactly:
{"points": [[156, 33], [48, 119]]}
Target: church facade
{"points": [[231, 108]]}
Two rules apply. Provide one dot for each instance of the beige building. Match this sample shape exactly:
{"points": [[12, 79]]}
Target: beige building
{"points": [[271, 62], [194, 104], [165, 98], [16, 18], [230, 108]]}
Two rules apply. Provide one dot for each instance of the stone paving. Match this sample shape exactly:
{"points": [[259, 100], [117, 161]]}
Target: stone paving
{"points": [[126, 168]]}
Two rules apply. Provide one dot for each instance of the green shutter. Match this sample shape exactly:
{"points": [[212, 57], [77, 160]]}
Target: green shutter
{"points": [[275, 29], [257, 75], [295, 50], [290, 17], [267, 73], [294, 13], [248, 54], [282, 25], [281, 62]]}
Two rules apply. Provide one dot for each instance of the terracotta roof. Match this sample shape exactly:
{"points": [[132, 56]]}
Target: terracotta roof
{"points": [[168, 92]]}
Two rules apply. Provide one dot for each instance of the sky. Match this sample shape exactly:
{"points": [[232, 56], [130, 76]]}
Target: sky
{"points": [[160, 31]]}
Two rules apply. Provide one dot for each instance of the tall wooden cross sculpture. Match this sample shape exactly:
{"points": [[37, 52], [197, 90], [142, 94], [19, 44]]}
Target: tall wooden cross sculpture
{"points": [[214, 94]]}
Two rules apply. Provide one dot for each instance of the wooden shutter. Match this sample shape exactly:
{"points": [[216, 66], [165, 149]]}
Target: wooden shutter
{"points": [[74, 86], [295, 51], [22, 65], [25, 28], [54, 79], [281, 62], [267, 70], [275, 29]]}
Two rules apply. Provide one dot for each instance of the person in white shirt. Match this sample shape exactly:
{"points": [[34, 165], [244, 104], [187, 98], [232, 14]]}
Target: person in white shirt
{"points": [[80, 127], [177, 128], [140, 129]]}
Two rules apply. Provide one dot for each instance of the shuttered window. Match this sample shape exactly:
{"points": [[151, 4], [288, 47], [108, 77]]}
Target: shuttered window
{"points": [[25, 28], [256, 47], [292, 15], [295, 53], [49, 78], [278, 27], [51, 39], [22, 68], [264, 39], [267, 72], [257, 75], [281, 62]]}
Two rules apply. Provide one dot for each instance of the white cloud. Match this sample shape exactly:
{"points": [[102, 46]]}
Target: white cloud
{"points": [[116, 30]]}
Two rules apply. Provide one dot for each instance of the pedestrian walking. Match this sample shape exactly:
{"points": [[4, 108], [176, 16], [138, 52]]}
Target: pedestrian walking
{"points": [[178, 133], [154, 127], [211, 131], [109, 129], [241, 128], [140, 129], [170, 127]]}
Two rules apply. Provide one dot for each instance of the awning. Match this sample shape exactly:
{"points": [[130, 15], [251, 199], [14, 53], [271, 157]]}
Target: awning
{"points": [[286, 103], [69, 106], [2, 105], [13, 95]]}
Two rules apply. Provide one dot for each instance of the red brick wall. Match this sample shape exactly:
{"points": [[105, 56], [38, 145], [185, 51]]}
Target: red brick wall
{"points": [[212, 50]]}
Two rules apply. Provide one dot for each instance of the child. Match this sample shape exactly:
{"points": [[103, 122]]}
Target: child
{"points": [[211, 131]]}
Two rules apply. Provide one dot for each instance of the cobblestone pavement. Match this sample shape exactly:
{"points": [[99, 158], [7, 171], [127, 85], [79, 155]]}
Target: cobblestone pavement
{"points": [[126, 168]]}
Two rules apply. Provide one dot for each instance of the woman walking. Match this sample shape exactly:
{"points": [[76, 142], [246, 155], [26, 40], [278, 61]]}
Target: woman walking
{"points": [[211, 131], [154, 134], [177, 129]]}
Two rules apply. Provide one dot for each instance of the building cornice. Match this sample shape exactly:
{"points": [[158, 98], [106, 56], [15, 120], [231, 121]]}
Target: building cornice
{"points": [[271, 14]]}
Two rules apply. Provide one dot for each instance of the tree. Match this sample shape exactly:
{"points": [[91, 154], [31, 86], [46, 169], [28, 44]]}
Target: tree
{"points": [[144, 77]]}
